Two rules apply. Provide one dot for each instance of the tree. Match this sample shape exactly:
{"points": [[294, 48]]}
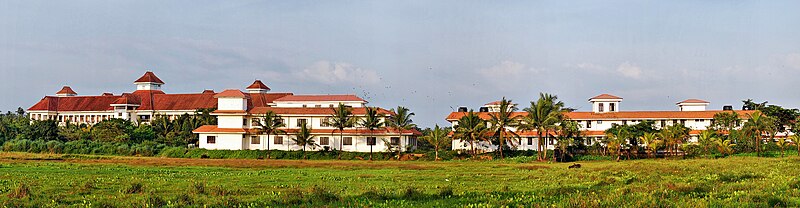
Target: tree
{"points": [[724, 146], [782, 144], [270, 123], [112, 130], [674, 136], [471, 128], [567, 130], [651, 141], [304, 138], [372, 121], [617, 136], [543, 116], [438, 138], [43, 130], [341, 118], [500, 121], [796, 139], [706, 140], [400, 120], [757, 125], [726, 121]]}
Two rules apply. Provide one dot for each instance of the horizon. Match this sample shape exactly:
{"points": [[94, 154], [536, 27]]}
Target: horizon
{"points": [[428, 56]]}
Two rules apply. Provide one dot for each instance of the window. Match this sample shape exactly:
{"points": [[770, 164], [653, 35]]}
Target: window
{"points": [[599, 122], [588, 124], [244, 122], [324, 122], [600, 107], [255, 140], [318, 106], [324, 141], [370, 141], [304, 106], [683, 121], [347, 141], [612, 107], [211, 139], [255, 121], [395, 140], [624, 122], [301, 122], [530, 140], [278, 140]]}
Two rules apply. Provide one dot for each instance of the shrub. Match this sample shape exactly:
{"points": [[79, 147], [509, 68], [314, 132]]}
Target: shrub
{"points": [[21, 191], [55, 147], [173, 152], [320, 194], [412, 193], [445, 192], [134, 188], [153, 200]]}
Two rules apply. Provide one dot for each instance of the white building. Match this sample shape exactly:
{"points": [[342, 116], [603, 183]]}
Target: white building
{"points": [[236, 112], [606, 112]]}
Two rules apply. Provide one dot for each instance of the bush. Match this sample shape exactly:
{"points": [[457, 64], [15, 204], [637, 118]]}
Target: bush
{"points": [[55, 147], [21, 191], [173, 152], [134, 188]]}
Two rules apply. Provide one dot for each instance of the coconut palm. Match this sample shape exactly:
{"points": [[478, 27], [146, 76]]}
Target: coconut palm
{"points": [[782, 144], [500, 122], [341, 118], [543, 116], [304, 138], [724, 146], [706, 140], [270, 123], [651, 142], [470, 128], [438, 138], [618, 135], [567, 130], [372, 121], [796, 140], [400, 120], [757, 124]]}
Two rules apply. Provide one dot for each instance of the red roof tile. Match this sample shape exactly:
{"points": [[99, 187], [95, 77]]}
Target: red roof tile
{"points": [[693, 101], [231, 93], [320, 98], [258, 85], [605, 96], [66, 90], [494, 103], [620, 115], [149, 77], [128, 99], [75, 103]]}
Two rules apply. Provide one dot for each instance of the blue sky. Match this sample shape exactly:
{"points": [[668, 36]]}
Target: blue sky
{"points": [[430, 56]]}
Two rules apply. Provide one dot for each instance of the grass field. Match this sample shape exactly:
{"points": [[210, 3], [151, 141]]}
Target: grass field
{"points": [[39, 180]]}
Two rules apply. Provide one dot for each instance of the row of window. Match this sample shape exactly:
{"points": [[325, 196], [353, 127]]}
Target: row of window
{"points": [[300, 122], [663, 122], [322, 140]]}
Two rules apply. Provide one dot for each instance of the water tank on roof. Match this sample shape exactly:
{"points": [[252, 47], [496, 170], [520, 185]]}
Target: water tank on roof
{"points": [[462, 109], [484, 109], [727, 108]]}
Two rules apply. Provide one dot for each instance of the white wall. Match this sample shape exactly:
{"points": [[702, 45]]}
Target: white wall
{"points": [[314, 104], [223, 141], [231, 104], [226, 121]]}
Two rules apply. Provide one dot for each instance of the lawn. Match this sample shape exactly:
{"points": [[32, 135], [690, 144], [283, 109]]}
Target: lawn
{"points": [[39, 180]]}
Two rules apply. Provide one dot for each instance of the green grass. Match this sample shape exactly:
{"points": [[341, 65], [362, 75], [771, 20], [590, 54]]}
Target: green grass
{"points": [[57, 180]]}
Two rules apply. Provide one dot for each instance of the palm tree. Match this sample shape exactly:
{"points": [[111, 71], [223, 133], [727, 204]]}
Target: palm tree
{"points": [[651, 141], [781, 143], [270, 123], [470, 128], [401, 120], [501, 120], [567, 130], [372, 121], [438, 138], [724, 146], [796, 140], [543, 116], [617, 136], [341, 118], [757, 124], [706, 139], [304, 138]]}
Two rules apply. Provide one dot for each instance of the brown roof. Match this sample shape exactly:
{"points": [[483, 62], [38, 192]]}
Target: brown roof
{"points": [[494, 103], [606, 96], [693, 101], [620, 115], [258, 85], [320, 98], [66, 90], [149, 77], [76, 103], [231, 93], [311, 111], [128, 99]]}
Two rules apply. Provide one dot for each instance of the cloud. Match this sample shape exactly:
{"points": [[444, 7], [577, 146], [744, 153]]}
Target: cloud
{"points": [[336, 72], [586, 67], [793, 60], [630, 70], [506, 70]]}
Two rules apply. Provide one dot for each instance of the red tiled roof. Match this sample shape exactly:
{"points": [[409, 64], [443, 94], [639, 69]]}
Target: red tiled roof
{"points": [[620, 115], [215, 129], [494, 103], [320, 98], [149, 77], [75, 103], [693, 101], [66, 90], [311, 111], [231, 93], [258, 85], [605, 96], [128, 99], [147, 99]]}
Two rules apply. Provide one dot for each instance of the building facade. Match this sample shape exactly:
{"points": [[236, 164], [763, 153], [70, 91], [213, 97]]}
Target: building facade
{"points": [[237, 114], [606, 112]]}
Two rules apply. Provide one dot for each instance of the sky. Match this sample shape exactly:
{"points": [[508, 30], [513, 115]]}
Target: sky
{"points": [[429, 56]]}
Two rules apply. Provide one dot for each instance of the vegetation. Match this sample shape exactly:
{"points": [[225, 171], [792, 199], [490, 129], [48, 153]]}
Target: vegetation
{"points": [[543, 117], [341, 118], [84, 181], [439, 138], [270, 123]]}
